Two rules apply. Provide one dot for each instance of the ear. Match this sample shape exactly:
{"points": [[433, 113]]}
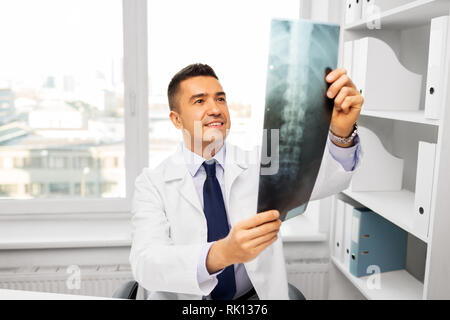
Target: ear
{"points": [[176, 119]]}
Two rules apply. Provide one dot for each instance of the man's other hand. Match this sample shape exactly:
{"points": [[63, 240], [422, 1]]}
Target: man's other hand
{"points": [[246, 240]]}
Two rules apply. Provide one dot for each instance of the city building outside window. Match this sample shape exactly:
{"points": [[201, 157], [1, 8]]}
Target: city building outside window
{"points": [[73, 89], [61, 97]]}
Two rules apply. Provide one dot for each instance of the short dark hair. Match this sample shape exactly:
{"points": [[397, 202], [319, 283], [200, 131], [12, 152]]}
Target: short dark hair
{"points": [[192, 70]]}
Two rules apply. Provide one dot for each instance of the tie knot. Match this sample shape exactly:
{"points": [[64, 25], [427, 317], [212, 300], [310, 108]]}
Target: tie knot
{"points": [[210, 168]]}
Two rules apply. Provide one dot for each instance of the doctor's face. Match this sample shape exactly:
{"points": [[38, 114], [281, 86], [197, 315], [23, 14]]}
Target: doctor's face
{"points": [[202, 112]]}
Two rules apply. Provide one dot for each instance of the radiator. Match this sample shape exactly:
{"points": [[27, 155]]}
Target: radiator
{"points": [[99, 281], [310, 276]]}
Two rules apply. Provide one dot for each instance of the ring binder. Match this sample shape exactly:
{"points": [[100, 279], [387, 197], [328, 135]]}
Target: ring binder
{"points": [[424, 187], [436, 73], [339, 226], [376, 241]]}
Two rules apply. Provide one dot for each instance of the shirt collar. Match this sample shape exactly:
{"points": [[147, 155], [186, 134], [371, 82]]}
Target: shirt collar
{"points": [[194, 161]]}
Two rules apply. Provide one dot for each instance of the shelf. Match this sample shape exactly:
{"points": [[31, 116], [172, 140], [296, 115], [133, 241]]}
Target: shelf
{"points": [[408, 116], [413, 14], [395, 206], [394, 285]]}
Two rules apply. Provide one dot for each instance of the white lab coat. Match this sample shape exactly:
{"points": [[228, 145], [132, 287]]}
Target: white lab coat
{"points": [[169, 226]]}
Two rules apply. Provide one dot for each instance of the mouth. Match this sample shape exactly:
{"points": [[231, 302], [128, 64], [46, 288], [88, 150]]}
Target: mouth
{"points": [[215, 124]]}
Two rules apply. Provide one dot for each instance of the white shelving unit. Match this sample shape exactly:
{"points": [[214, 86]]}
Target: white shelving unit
{"points": [[408, 116], [395, 206], [393, 285], [406, 29], [415, 13]]}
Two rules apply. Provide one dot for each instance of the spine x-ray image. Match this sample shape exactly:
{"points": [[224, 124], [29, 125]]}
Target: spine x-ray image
{"points": [[297, 113]]}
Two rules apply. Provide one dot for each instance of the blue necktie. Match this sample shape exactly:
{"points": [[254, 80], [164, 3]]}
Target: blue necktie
{"points": [[217, 222]]}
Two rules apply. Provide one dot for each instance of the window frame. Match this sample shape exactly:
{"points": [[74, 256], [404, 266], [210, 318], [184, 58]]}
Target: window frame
{"points": [[134, 13], [111, 215], [136, 139]]}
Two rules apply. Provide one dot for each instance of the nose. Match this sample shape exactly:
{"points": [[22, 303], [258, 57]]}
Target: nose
{"points": [[213, 109]]}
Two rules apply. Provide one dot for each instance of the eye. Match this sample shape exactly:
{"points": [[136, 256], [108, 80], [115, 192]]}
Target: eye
{"points": [[222, 99], [199, 101]]}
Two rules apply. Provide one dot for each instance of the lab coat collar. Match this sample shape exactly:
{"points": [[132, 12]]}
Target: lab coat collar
{"points": [[194, 161], [229, 156]]}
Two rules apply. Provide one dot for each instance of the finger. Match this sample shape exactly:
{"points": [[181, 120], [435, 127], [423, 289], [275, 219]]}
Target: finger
{"points": [[259, 219], [263, 229], [259, 240], [335, 74], [351, 102], [337, 85], [345, 106], [343, 93], [264, 245]]}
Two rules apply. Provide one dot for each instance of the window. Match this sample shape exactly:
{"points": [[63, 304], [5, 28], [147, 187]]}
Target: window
{"points": [[80, 116], [108, 187], [6, 189], [59, 161], [85, 189], [35, 189], [61, 97], [59, 188], [233, 38], [81, 162], [18, 162], [34, 162]]}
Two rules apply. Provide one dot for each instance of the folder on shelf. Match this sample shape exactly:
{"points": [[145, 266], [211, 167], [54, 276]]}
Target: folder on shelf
{"points": [[424, 187], [349, 11], [347, 61], [339, 220], [436, 70], [357, 10], [353, 10], [347, 234], [380, 170], [368, 8], [376, 242], [383, 81]]}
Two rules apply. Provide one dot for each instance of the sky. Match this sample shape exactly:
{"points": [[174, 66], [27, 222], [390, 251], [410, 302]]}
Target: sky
{"points": [[41, 38], [232, 36], [56, 37], [45, 37]]}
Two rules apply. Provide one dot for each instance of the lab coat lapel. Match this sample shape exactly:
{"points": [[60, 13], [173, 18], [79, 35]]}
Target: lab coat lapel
{"points": [[235, 165], [177, 172]]}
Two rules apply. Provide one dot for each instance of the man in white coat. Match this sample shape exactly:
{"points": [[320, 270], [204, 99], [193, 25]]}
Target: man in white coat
{"points": [[196, 232]]}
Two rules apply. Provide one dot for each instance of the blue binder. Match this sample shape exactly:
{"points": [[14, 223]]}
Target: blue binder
{"points": [[376, 241]]}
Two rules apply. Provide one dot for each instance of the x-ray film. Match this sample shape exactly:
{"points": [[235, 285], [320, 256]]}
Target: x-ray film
{"points": [[297, 113]]}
